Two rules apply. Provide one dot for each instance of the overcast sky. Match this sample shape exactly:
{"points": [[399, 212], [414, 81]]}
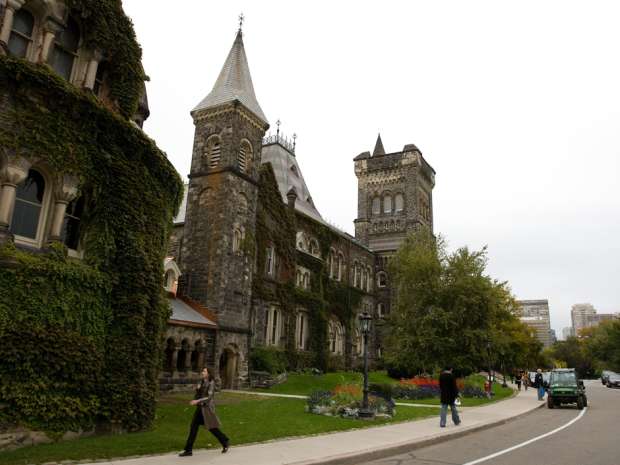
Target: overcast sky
{"points": [[516, 105]]}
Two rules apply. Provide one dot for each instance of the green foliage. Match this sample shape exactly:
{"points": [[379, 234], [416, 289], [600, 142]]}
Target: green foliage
{"points": [[603, 345], [574, 353], [277, 225], [269, 359], [55, 377], [446, 307], [105, 27], [131, 193]]}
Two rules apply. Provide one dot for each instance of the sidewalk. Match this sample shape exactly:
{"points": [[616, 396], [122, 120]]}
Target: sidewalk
{"points": [[351, 447]]}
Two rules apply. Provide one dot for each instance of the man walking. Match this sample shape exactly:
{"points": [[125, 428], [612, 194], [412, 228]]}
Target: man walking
{"points": [[449, 392], [539, 385]]}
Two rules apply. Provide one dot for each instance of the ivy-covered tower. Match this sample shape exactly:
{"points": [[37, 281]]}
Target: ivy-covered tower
{"points": [[221, 210]]}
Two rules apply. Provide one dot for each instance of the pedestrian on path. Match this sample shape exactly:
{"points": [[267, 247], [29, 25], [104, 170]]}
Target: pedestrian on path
{"points": [[525, 379], [539, 385], [449, 393], [518, 380], [204, 400]]}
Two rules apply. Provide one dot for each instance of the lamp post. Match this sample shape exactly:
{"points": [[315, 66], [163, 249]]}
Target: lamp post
{"points": [[365, 320]]}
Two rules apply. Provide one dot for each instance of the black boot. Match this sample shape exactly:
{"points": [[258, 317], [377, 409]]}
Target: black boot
{"points": [[186, 453]]}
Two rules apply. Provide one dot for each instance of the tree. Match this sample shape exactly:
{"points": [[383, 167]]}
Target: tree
{"points": [[573, 352], [603, 345], [447, 308]]}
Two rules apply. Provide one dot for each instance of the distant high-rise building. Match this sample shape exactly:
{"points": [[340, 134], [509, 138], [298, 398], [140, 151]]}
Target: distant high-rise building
{"points": [[567, 332], [535, 313], [581, 314], [594, 320]]}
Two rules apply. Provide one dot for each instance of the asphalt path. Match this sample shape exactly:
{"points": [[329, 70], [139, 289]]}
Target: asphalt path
{"points": [[592, 439]]}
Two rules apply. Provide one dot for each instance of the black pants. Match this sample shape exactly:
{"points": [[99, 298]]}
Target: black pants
{"points": [[198, 421]]}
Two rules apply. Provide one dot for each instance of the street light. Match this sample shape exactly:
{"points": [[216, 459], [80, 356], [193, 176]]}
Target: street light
{"points": [[365, 320]]}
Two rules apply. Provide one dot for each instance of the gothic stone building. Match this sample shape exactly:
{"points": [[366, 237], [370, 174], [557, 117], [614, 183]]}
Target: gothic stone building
{"points": [[258, 266]]}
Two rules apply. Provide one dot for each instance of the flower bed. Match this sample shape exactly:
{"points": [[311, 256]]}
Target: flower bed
{"points": [[346, 400], [421, 387]]}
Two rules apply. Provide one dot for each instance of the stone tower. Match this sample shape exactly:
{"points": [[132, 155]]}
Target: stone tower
{"points": [[221, 210], [394, 196]]}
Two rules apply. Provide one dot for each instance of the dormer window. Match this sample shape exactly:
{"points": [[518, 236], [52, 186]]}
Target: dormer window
{"points": [[66, 45], [21, 33]]}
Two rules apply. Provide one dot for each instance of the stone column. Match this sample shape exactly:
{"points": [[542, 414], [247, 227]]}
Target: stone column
{"points": [[15, 171], [91, 70], [175, 354], [50, 29], [188, 359], [11, 7], [66, 190]]}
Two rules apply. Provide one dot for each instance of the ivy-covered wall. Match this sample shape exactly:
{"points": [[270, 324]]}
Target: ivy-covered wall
{"points": [[105, 315], [277, 224]]}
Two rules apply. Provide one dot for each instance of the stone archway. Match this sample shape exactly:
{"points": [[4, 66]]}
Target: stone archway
{"points": [[229, 368]]}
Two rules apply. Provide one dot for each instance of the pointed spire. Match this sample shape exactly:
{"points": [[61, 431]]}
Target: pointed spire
{"points": [[379, 150], [234, 82]]}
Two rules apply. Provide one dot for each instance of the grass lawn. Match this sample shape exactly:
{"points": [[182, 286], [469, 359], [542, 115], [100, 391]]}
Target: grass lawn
{"points": [[303, 385], [244, 419]]}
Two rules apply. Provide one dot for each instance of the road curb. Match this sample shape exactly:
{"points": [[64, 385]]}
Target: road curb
{"points": [[395, 449]]}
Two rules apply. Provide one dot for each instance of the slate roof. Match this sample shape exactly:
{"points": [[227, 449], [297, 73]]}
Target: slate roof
{"points": [[288, 175], [379, 150], [184, 313], [234, 83]]}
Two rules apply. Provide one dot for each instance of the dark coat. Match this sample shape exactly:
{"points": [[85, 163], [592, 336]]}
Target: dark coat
{"points": [[206, 395], [447, 385], [538, 380]]}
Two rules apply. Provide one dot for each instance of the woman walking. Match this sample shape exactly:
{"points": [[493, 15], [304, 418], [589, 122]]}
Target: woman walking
{"points": [[204, 400]]}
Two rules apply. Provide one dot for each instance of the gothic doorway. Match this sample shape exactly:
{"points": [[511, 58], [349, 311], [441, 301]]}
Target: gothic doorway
{"points": [[228, 368]]}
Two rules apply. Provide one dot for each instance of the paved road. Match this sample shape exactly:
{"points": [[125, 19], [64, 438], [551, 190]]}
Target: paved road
{"points": [[594, 439]]}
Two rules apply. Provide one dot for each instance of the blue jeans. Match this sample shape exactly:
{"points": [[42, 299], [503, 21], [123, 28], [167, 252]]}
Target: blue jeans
{"points": [[541, 393], [444, 413]]}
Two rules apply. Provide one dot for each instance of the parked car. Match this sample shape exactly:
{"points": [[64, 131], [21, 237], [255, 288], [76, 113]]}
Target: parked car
{"points": [[565, 388], [605, 376], [613, 380]]}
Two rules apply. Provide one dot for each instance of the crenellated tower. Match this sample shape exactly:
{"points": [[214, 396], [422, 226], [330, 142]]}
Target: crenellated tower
{"points": [[221, 209]]}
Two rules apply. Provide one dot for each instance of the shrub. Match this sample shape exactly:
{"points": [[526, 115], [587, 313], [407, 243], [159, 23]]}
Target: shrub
{"points": [[268, 359], [384, 390]]}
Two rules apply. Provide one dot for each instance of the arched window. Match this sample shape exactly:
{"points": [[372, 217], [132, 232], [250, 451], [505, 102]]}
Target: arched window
{"points": [[314, 248], [29, 199], [242, 204], [183, 356], [359, 342], [244, 157], [336, 338], [332, 263], [301, 331], [376, 206], [298, 278], [381, 279], [21, 33], [306, 280], [380, 310], [355, 275], [301, 241], [65, 50], [70, 235], [399, 203], [237, 239], [273, 325], [387, 204], [214, 151], [270, 261], [369, 281], [340, 266]]}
